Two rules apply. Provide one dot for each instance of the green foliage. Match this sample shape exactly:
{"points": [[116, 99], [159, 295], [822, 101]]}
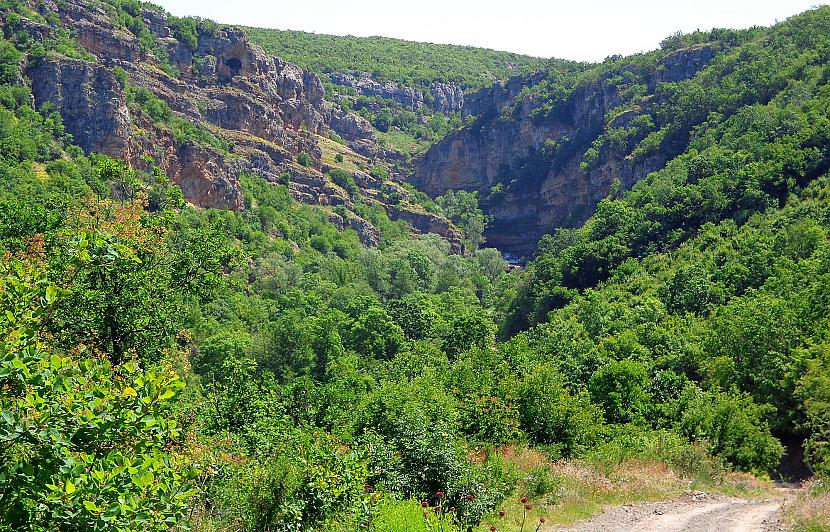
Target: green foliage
{"points": [[346, 181], [462, 209], [814, 394], [10, 59], [85, 443], [553, 416], [393, 59], [375, 334], [304, 159], [730, 426], [622, 390]]}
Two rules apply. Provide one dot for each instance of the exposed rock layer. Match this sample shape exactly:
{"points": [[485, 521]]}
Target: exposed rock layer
{"points": [[541, 193], [263, 111], [443, 98]]}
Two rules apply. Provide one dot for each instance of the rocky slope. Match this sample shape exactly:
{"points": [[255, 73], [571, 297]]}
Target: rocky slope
{"points": [[232, 109], [533, 134], [445, 98]]}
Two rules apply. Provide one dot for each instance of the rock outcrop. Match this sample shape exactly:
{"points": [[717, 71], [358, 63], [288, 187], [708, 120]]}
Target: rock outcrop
{"points": [[261, 112], [443, 98], [510, 144], [89, 98]]}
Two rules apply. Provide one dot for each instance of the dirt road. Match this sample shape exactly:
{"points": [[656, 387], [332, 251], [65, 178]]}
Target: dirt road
{"points": [[698, 512]]}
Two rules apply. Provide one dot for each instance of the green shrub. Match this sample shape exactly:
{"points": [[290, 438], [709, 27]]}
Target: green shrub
{"points": [[813, 393], [304, 159], [345, 180], [622, 390], [541, 482], [551, 415], [85, 442], [731, 426]]}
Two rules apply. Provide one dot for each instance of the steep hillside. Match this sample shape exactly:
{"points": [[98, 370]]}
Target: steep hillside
{"points": [[246, 361], [206, 107], [413, 93], [544, 150]]}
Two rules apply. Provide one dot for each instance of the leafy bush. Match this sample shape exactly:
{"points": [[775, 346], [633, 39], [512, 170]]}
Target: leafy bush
{"points": [[731, 426], [86, 442], [550, 415], [622, 390], [346, 181], [304, 159], [814, 394]]}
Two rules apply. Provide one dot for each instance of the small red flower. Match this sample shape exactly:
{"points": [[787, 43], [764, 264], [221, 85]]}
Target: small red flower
{"points": [[440, 494], [437, 509], [493, 528], [424, 504], [524, 500], [470, 497], [426, 515], [542, 520], [528, 506], [501, 514], [452, 509]]}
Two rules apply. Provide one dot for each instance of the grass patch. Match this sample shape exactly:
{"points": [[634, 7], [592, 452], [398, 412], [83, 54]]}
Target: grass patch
{"points": [[403, 142], [811, 510], [347, 160], [574, 490]]}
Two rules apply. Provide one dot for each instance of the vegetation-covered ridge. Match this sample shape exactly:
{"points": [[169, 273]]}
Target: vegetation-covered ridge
{"points": [[165, 366], [411, 63], [547, 156], [412, 93]]}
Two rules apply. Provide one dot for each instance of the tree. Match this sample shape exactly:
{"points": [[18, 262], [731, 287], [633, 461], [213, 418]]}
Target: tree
{"points": [[462, 209], [375, 334], [468, 329], [415, 315], [730, 425]]}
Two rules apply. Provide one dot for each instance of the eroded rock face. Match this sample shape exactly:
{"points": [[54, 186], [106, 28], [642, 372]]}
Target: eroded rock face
{"points": [[90, 99], [446, 98], [204, 179], [268, 110], [264, 112], [542, 192]]}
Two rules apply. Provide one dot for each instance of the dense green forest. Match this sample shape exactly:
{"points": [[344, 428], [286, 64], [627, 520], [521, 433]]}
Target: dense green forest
{"points": [[164, 366], [410, 63]]}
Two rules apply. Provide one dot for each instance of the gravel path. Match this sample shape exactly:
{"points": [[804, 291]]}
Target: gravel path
{"points": [[698, 512]]}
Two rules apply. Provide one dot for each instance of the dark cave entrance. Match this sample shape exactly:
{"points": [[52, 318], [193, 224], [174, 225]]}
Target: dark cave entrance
{"points": [[234, 65]]}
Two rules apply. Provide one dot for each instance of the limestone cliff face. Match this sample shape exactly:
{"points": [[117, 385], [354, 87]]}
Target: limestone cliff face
{"points": [[535, 157], [443, 98], [265, 111], [90, 100]]}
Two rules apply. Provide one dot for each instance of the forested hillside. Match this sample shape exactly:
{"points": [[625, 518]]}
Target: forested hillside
{"points": [[546, 157], [165, 365], [413, 93]]}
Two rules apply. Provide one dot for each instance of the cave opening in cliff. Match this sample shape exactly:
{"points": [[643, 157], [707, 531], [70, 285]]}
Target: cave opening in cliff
{"points": [[234, 65]]}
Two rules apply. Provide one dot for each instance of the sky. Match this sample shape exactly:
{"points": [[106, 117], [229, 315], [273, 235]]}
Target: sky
{"points": [[586, 30]]}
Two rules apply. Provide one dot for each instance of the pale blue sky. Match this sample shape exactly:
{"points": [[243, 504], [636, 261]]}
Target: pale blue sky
{"points": [[571, 29]]}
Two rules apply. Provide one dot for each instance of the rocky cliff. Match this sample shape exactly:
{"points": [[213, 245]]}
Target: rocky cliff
{"points": [[226, 108], [443, 98], [527, 153]]}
